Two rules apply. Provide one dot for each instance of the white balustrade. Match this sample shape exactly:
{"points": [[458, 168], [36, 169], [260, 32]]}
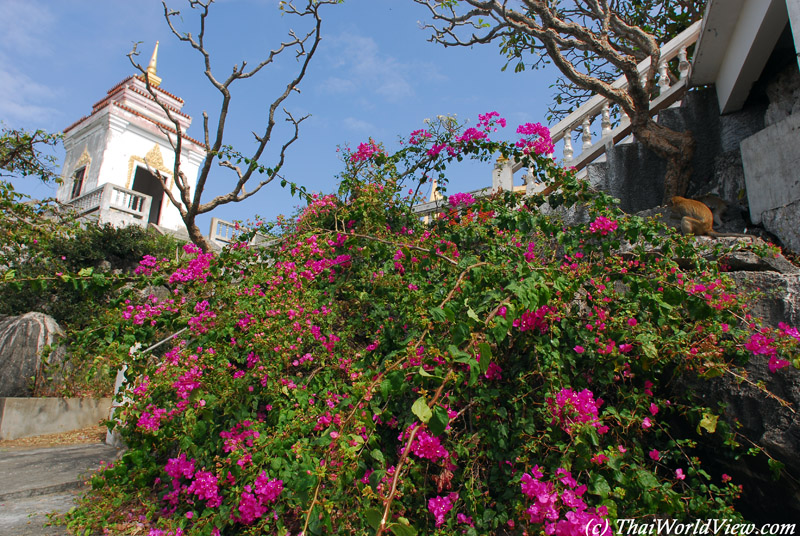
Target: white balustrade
{"points": [[598, 106], [222, 231], [114, 204]]}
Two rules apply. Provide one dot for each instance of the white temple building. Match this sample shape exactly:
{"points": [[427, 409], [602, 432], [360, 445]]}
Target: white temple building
{"points": [[114, 153]]}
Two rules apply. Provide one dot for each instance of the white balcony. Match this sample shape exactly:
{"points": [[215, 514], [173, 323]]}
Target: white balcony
{"points": [[113, 204]]}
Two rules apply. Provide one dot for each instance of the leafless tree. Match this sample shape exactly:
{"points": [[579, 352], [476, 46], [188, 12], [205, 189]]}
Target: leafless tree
{"points": [[591, 42], [189, 201]]}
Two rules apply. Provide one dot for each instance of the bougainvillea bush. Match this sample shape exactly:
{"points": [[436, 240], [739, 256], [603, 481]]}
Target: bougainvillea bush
{"points": [[489, 372]]}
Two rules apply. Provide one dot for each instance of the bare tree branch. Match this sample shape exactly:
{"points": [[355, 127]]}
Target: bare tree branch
{"points": [[189, 202]]}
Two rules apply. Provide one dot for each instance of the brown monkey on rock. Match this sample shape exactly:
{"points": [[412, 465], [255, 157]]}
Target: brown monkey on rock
{"points": [[697, 218]]}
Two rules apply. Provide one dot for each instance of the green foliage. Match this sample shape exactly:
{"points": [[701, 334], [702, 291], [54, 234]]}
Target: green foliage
{"points": [[21, 154], [72, 273], [51, 263], [370, 373]]}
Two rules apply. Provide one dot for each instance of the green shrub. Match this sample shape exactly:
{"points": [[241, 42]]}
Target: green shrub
{"points": [[493, 372]]}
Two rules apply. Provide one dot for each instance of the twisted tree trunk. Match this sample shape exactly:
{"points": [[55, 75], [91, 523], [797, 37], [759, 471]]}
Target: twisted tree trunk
{"points": [[677, 148]]}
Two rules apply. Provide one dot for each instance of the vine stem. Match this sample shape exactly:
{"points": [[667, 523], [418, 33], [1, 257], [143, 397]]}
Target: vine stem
{"points": [[403, 457], [421, 338], [764, 390], [409, 246], [311, 508]]}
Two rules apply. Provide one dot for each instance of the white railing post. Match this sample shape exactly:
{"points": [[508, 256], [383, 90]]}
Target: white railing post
{"points": [[568, 152], [683, 63], [587, 132], [605, 121], [663, 78]]}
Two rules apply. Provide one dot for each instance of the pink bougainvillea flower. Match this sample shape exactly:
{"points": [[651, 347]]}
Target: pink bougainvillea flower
{"points": [[440, 506], [366, 151], [602, 225], [537, 139], [461, 200]]}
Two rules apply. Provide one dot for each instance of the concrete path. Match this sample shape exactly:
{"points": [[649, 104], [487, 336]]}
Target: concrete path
{"points": [[34, 482]]}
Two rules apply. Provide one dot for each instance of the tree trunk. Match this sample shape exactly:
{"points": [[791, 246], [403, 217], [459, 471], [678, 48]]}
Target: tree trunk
{"points": [[196, 235], [677, 148]]}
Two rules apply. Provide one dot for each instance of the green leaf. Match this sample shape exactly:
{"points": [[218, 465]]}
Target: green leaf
{"points": [[486, 356], [600, 486], [377, 455], [460, 333], [373, 518], [775, 467], [421, 410], [646, 479], [437, 314], [85, 272], [439, 421], [424, 373], [473, 315], [459, 355], [708, 423], [402, 530], [9, 275]]}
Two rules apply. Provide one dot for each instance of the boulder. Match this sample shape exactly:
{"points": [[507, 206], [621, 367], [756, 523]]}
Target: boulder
{"points": [[760, 405], [22, 340]]}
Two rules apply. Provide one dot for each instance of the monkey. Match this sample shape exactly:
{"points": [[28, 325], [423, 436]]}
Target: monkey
{"points": [[717, 205], [697, 218]]}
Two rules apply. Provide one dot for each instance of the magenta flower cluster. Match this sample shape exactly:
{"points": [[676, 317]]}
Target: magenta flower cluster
{"points": [[419, 136], [441, 506], [197, 267], [602, 225], [488, 121], [534, 320], [571, 409], [428, 446], [254, 500], [366, 151], [151, 310], [560, 508], [537, 139], [761, 344], [461, 200], [148, 265]]}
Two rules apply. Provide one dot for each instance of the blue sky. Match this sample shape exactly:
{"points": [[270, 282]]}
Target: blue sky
{"points": [[375, 74]]}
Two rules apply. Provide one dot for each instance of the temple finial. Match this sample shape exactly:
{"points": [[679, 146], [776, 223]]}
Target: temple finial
{"points": [[151, 68]]}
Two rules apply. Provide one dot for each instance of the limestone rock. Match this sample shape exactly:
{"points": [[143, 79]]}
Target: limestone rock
{"points": [[784, 95], [766, 421], [22, 339], [784, 222], [779, 299]]}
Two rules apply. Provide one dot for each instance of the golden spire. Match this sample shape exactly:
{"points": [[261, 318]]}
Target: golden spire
{"points": [[151, 68]]}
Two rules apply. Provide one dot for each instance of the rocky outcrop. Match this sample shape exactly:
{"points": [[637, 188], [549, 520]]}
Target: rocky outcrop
{"points": [[784, 222], [22, 340], [761, 406]]}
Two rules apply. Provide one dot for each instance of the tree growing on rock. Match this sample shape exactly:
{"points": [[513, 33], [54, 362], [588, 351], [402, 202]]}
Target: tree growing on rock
{"points": [[592, 42], [245, 168]]}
